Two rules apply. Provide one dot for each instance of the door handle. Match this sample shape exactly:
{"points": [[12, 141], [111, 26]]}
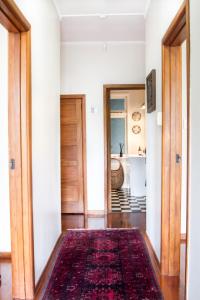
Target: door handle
{"points": [[178, 158]]}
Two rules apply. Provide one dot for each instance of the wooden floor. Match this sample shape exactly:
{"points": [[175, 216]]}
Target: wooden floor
{"points": [[6, 280], [172, 287], [113, 220]]}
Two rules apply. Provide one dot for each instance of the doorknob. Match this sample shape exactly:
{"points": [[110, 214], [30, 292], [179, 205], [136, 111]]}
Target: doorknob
{"points": [[178, 158]]}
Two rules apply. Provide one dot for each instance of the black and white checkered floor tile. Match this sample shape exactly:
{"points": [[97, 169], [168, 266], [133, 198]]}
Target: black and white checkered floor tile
{"points": [[122, 201]]}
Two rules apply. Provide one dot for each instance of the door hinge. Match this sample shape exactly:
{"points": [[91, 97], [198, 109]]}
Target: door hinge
{"points": [[178, 158], [12, 164]]}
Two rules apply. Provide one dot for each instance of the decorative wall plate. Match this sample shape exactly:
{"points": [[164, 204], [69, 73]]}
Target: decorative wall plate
{"points": [[136, 129], [136, 116]]}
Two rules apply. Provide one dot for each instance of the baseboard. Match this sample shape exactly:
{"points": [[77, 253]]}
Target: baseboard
{"points": [[95, 213], [183, 237], [43, 280], [5, 255], [152, 253]]}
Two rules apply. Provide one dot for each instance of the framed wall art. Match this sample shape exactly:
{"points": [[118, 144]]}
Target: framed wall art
{"points": [[151, 91]]}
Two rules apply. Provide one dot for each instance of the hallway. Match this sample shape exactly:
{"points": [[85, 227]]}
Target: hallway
{"points": [[69, 71]]}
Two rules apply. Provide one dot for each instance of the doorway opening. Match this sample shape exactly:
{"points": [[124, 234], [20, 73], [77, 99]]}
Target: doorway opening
{"points": [[175, 142], [125, 148], [5, 246], [19, 156]]}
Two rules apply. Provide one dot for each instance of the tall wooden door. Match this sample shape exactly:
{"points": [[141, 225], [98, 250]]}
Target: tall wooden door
{"points": [[72, 154], [172, 140]]}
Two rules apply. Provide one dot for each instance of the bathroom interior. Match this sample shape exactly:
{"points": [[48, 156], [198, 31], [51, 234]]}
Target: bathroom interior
{"points": [[128, 151]]}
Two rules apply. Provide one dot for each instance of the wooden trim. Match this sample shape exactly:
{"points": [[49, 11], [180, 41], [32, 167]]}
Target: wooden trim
{"points": [[124, 87], [26, 140], [83, 100], [5, 255], [107, 88], [84, 154], [19, 108], [45, 276], [74, 96], [152, 254], [12, 18], [178, 31], [107, 174]]}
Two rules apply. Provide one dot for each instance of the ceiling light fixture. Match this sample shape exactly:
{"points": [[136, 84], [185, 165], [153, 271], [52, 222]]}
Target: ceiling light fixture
{"points": [[102, 16]]}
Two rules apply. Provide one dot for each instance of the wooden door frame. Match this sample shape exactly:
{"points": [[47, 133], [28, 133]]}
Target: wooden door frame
{"points": [[19, 115], [107, 88], [178, 32], [83, 100]]}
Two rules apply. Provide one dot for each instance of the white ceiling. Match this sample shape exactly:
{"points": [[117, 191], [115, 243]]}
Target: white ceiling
{"points": [[102, 20], [116, 28], [77, 7]]}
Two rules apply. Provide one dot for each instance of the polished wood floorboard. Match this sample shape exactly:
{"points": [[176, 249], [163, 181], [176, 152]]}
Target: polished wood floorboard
{"points": [[172, 287], [112, 220], [6, 280], [127, 220]]}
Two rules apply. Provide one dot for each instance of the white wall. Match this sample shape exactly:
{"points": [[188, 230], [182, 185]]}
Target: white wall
{"points": [[4, 171], [184, 140], [46, 125], [159, 17], [85, 68], [135, 101], [194, 209]]}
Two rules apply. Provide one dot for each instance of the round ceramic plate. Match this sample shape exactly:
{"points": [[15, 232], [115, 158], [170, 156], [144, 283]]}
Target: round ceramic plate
{"points": [[136, 116], [136, 129]]}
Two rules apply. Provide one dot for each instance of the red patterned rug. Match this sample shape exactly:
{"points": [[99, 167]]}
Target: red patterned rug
{"points": [[103, 265]]}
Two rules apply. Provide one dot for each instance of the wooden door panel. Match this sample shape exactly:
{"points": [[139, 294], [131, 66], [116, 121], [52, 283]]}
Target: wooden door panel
{"points": [[69, 135], [68, 113], [176, 168], [69, 153], [67, 163], [70, 174], [15, 175], [69, 193], [171, 171], [172, 142], [72, 156], [70, 204]]}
